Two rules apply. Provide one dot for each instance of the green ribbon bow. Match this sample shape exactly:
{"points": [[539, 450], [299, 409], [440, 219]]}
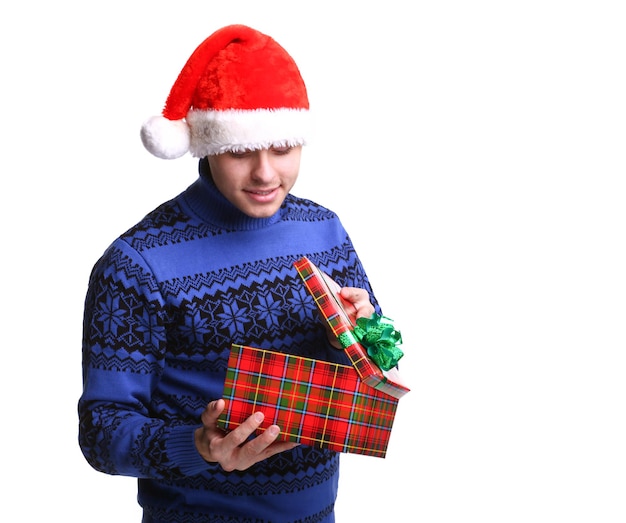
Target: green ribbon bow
{"points": [[378, 335]]}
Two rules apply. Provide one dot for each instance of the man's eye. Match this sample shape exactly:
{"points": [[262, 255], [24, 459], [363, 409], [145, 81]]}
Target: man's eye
{"points": [[239, 154], [281, 150]]}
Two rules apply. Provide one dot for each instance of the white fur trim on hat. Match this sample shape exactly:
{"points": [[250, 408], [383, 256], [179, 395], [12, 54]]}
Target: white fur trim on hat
{"points": [[215, 132]]}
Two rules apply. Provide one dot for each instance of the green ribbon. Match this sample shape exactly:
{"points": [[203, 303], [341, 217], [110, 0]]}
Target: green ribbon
{"points": [[378, 335]]}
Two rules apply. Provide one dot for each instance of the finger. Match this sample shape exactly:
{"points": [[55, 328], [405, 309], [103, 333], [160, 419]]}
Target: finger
{"points": [[265, 445], [262, 441], [238, 451], [239, 435], [212, 412], [360, 299], [354, 294], [257, 449]]}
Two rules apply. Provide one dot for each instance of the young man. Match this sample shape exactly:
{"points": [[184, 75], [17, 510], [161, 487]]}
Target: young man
{"points": [[212, 267]]}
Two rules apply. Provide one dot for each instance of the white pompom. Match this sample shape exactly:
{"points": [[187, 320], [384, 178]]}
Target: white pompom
{"points": [[166, 139]]}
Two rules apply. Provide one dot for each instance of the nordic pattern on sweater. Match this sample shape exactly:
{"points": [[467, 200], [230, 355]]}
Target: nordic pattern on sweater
{"points": [[164, 304]]}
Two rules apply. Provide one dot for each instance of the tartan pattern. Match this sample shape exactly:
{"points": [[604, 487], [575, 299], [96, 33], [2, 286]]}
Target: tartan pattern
{"points": [[341, 316], [314, 402]]}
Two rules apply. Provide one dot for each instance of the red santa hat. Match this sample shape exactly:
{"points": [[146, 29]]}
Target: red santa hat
{"points": [[239, 90]]}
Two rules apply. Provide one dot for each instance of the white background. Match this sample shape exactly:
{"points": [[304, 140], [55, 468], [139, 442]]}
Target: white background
{"points": [[474, 150]]}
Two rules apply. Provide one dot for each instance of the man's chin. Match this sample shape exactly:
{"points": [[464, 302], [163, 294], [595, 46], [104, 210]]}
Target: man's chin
{"points": [[261, 211]]}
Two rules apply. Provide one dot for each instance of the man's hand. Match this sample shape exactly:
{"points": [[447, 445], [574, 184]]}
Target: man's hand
{"points": [[232, 450], [359, 305], [360, 299]]}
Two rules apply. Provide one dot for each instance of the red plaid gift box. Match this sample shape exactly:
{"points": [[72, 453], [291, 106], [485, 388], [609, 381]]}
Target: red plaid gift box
{"points": [[314, 402], [341, 316]]}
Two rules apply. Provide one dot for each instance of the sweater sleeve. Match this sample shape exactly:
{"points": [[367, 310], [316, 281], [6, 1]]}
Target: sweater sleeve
{"points": [[352, 273], [123, 355]]}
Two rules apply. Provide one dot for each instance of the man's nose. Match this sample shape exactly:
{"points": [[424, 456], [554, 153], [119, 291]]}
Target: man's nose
{"points": [[263, 169]]}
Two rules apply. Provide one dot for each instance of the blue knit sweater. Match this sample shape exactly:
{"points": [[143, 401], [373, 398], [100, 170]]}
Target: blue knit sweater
{"points": [[164, 304]]}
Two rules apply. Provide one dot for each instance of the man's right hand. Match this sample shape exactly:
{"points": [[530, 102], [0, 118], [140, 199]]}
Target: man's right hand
{"points": [[232, 450]]}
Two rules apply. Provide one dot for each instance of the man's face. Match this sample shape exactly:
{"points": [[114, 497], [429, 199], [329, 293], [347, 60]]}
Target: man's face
{"points": [[256, 182]]}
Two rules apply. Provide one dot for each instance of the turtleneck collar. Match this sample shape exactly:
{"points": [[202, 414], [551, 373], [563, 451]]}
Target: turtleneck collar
{"points": [[209, 203]]}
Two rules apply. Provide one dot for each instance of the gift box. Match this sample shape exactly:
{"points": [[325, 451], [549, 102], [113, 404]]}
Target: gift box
{"points": [[341, 317], [346, 408], [314, 402]]}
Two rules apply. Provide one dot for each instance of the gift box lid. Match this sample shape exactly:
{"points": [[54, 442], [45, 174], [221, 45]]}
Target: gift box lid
{"points": [[341, 317]]}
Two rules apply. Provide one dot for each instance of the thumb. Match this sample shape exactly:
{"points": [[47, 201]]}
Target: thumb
{"points": [[212, 412]]}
